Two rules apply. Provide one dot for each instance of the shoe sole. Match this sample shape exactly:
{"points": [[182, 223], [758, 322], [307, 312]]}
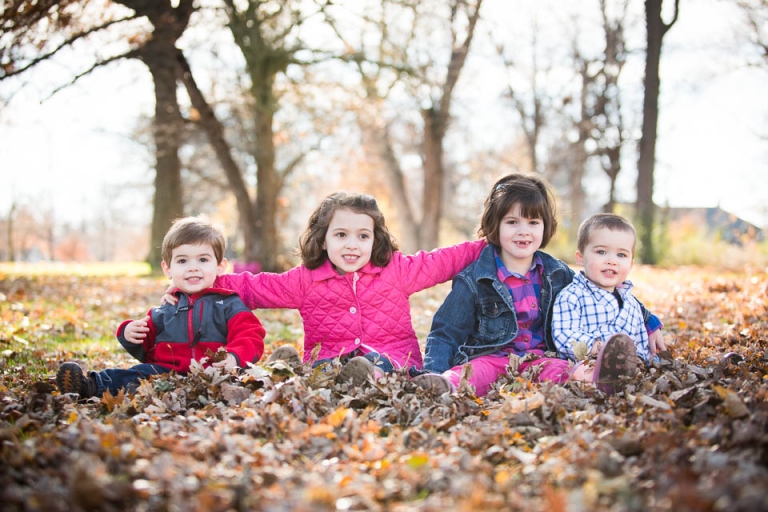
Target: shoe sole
{"points": [[617, 359], [70, 379]]}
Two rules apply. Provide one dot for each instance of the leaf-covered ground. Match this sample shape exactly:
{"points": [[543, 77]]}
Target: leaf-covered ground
{"points": [[689, 434]]}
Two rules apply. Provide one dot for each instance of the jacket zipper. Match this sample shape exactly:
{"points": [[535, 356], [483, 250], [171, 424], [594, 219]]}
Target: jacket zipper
{"points": [[191, 335]]}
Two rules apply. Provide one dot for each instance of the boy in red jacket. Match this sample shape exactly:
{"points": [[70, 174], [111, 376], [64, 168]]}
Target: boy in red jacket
{"points": [[203, 320]]}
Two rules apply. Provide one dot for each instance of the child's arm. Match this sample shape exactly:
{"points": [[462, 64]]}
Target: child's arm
{"points": [[653, 325], [267, 289], [452, 325], [245, 340], [656, 342], [426, 269], [137, 336], [135, 331]]}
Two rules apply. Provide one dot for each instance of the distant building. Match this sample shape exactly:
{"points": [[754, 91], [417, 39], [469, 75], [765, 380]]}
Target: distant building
{"points": [[714, 221], [717, 223]]}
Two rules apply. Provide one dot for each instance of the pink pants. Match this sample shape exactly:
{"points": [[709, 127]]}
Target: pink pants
{"points": [[486, 369]]}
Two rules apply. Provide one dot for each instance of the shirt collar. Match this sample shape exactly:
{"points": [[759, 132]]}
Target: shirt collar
{"points": [[505, 273], [623, 288]]}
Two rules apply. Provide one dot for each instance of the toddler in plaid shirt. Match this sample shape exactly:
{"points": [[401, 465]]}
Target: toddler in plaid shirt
{"points": [[599, 304]]}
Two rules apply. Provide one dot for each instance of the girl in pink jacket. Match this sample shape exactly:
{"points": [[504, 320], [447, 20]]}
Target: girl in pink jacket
{"points": [[352, 288]]}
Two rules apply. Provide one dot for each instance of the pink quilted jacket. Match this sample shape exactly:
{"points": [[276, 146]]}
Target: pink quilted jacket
{"points": [[366, 310]]}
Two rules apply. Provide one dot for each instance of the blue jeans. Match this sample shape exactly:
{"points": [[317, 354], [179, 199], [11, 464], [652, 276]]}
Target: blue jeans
{"points": [[381, 362], [115, 379]]}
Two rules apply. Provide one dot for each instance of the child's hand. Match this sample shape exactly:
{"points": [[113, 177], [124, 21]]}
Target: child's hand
{"points": [[656, 342], [136, 331], [169, 298], [228, 363]]}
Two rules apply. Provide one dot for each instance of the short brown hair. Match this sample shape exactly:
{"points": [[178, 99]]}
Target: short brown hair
{"points": [[536, 202], [312, 240], [610, 221], [193, 231]]}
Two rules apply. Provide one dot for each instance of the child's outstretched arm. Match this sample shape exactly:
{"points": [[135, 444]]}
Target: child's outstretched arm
{"points": [[426, 269], [267, 290]]}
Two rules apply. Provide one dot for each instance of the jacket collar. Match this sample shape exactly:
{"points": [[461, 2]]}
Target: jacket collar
{"points": [[486, 263], [207, 291], [326, 271]]}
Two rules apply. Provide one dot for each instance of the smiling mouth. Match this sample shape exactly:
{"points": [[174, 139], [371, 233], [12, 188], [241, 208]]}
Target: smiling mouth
{"points": [[350, 258]]}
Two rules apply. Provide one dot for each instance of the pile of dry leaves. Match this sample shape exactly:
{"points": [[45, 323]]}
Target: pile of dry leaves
{"points": [[689, 434]]}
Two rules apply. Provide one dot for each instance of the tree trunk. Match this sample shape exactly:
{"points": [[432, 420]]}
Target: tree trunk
{"points": [[436, 120], [656, 28], [159, 55], [215, 132], [434, 176], [167, 132], [268, 183]]}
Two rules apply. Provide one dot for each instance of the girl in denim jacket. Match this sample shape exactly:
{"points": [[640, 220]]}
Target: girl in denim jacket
{"points": [[502, 303]]}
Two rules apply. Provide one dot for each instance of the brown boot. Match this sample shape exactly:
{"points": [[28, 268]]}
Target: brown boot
{"points": [[434, 383], [71, 379], [286, 353], [357, 370], [616, 363]]}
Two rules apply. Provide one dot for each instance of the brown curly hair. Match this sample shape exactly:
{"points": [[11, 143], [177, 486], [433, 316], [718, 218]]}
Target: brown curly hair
{"points": [[312, 240]]}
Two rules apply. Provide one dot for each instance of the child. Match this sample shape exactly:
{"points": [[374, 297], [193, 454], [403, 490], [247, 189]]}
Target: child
{"points": [[352, 288], [171, 336], [502, 303], [598, 303]]}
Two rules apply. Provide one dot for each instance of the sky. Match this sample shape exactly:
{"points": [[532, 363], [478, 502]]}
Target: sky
{"points": [[73, 152]]}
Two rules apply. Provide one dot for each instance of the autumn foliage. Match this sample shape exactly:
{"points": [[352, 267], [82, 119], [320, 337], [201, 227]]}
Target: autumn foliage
{"points": [[688, 434]]}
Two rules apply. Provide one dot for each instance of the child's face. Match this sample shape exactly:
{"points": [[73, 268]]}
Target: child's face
{"points": [[349, 240], [520, 237], [607, 258], [193, 268]]}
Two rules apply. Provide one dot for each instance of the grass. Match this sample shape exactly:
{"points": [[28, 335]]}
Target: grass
{"points": [[94, 269]]}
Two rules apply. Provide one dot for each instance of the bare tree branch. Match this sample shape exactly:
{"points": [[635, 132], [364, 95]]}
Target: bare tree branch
{"points": [[130, 55], [68, 42]]}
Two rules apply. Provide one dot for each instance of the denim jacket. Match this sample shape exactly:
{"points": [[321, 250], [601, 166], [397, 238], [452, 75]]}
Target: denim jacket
{"points": [[478, 316]]}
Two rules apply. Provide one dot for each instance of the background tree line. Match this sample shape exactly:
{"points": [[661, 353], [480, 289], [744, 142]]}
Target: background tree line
{"points": [[259, 88]]}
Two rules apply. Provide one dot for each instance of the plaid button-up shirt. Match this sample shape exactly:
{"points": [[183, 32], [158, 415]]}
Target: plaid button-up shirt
{"points": [[584, 312], [525, 291]]}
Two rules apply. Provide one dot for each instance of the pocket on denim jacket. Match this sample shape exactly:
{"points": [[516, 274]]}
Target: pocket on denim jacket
{"points": [[495, 322]]}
